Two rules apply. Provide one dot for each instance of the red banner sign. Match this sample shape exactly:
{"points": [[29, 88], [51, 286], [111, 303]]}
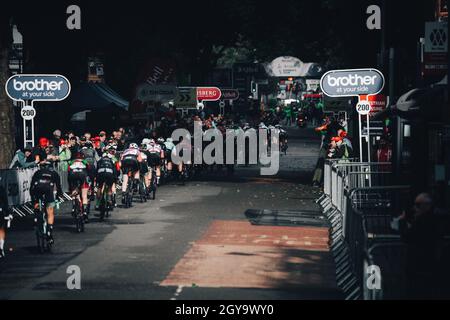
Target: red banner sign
{"points": [[208, 93], [377, 103]]}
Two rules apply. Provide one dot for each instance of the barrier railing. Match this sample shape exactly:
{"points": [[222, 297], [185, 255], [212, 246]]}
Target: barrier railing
{"points": [[360, 203], [17, 183], [360, 210]]}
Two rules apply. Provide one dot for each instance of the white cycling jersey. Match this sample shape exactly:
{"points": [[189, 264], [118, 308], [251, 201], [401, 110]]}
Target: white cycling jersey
{"points": [[156, 148], [131, 152]]}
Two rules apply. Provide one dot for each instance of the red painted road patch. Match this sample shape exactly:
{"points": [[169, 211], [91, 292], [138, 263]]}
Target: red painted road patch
{"points": [[238, 254]]}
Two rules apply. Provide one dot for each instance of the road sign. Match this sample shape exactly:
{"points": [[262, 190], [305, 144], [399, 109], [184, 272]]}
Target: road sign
{"points": [[37, 87], [363, 107], [155, 93], [353, 82], [208, 93], [229, 94], [435, 49], [28, 112], [436, 36], [186, 97]]}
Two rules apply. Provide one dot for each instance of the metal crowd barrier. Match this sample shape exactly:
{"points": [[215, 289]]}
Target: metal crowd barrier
{"points": [[360, 208], [17, 183], [367, 233]]}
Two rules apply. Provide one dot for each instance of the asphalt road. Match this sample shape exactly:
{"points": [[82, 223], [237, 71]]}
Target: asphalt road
{"points": [[192, 242]]}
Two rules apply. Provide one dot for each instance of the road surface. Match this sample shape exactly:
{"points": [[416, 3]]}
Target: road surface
{"points": [[192, 242]]}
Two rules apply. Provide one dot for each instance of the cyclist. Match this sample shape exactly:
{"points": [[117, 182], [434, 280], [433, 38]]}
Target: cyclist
{"points": [[168, 147], [283, 137], [43, 185], [130, 160], [90, 157], [144, 165], [182, 146], [161, 142], [156, 154], [112, 149], [106, 175], [78, 180]]}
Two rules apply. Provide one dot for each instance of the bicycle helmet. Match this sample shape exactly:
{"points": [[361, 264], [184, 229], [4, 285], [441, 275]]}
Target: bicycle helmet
{"points": [[170, 140], [134, 146], [145, 141], [45, 164], [161, 140]]}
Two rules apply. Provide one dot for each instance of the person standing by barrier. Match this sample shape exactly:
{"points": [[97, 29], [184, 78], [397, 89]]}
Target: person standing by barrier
{"points": [[56, 138], [39, 153], [3, 215], [422, 234], [328, 130], [64, 155], [22, 159]]}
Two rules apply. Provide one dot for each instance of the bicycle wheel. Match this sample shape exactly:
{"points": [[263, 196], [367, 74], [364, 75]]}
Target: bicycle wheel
{"points": [[142, 191], [129, 194], [79, 219], [40, 236]]}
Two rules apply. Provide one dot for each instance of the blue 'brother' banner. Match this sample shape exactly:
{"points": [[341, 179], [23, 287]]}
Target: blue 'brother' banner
{"points": [[37, 87]]}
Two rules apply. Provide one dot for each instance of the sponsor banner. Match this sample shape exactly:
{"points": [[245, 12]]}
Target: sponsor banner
{"points": [[377, 103], [292, 67], [208, 93], [353, 82], [312, 84], [17, 184], [36, 87], [155, 93]]}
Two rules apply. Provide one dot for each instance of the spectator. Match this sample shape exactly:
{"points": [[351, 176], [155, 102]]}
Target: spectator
{"points": [[421, 231], [87, 136], [39, 153], [102, 139], [52, 153], [73, 147], [23, 159], [64, 154], [56, 138]]}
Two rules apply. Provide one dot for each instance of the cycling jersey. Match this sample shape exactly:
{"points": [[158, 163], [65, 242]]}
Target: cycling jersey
{"points": [[105, 166], [130, 153], [78, 174], [106, 171], [130, 160], [156, 149], [43, 184]]}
